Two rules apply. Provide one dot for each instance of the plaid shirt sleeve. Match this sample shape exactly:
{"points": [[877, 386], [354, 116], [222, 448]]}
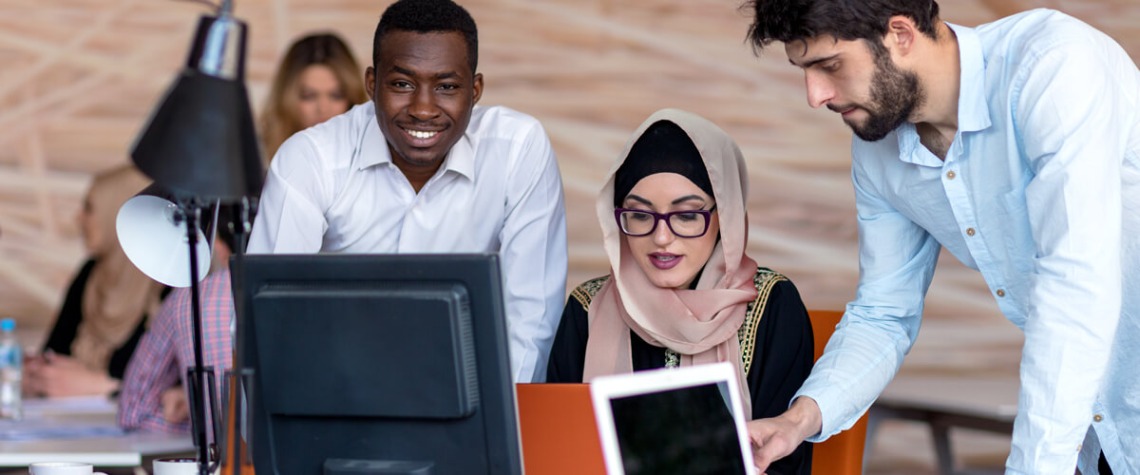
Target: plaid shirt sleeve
{"points": [[217, 347], [152, 370]]}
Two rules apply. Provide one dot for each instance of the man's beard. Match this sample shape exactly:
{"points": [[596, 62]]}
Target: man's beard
{"points": [[895, 94]]}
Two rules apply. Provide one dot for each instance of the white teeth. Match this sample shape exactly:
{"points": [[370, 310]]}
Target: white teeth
{"points": [[666, 258], [421, 134]]}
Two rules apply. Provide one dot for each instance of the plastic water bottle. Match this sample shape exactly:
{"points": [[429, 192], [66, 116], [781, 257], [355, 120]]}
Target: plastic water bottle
{"points": [[11, 371]]}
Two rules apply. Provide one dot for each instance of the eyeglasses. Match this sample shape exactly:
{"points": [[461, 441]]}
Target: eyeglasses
{"points": [[686, 224]]}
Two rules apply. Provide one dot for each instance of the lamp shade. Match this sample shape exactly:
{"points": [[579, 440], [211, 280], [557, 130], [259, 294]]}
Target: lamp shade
{"points": [[153, 236], [200, 140]]}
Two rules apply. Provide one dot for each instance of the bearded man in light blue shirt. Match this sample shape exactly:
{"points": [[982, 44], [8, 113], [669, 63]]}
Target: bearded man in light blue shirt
{"points": [[1015, 145]]}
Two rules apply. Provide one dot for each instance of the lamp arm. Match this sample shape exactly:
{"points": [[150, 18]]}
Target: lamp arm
{"points": [[199, 385], [242, 376]]}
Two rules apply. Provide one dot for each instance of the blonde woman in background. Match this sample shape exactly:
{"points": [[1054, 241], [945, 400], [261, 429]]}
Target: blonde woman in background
{"points": [[105, 309], [317, 79]]}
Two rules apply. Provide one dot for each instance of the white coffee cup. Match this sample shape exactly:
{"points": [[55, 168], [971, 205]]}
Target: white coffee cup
{"points": [[62, 468], [175, 466]]}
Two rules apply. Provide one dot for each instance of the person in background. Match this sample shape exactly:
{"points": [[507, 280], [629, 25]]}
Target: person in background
{"points": [[421, 169], [153, 395], [318, 79], [681, 290], [1016, 146], [105, 309]]}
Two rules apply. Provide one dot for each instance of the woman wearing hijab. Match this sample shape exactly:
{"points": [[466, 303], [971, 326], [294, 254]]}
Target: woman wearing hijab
{"points": [[104, 313], [681, 290]]}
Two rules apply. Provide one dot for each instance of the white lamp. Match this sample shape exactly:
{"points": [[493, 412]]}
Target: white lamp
{"points": [[152, 232]]}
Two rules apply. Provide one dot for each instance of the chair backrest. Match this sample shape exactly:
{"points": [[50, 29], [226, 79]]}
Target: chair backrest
{"points": [[558, 429], [841, 454]]}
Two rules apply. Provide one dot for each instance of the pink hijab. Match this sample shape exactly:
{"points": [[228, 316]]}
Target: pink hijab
{"points": [[700, 324]]}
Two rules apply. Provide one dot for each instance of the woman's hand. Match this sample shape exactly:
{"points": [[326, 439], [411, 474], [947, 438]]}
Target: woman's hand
{"points": [[52, 375]]}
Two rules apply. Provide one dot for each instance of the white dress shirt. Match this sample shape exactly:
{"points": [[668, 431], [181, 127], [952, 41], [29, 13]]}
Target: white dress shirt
{"points": [[334, 188], [1040, 192]]}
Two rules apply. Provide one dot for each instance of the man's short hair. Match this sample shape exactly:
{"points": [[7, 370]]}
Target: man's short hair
{"points": [[428, 16], [789, 21]]}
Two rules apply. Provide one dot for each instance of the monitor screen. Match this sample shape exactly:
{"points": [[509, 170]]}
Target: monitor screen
{"points": [[379, 363]]}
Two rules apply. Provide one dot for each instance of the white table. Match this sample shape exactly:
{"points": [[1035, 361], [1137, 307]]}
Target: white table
{"points": [[942, 402], [81, 430]]}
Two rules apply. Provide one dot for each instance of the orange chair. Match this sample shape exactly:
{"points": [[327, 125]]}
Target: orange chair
{"points": [[841, 454], [558, 430]]}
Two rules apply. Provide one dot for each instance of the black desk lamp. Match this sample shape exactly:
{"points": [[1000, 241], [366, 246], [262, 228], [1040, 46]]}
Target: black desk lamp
{"points": [[201, 146]]}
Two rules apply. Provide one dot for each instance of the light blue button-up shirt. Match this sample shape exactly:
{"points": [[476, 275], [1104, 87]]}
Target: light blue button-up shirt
{"points": [[1040, 192]]}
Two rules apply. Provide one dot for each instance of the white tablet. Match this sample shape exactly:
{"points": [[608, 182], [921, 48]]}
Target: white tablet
{"points": [[673, 421]]}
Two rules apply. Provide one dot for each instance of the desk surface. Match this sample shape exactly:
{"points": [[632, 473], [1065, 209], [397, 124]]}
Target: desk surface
{"points": [[80, 430]]}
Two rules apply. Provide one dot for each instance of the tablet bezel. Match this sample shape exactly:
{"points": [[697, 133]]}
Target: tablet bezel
{"points": [[605, 388]]}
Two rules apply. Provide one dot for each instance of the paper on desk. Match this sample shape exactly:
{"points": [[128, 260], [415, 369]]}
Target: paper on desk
{"points": [[55, 429], [23, 430], [63, 418], [69, 405]]}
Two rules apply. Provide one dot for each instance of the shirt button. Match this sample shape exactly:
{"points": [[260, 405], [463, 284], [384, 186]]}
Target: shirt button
{"points": [[970, 232], [950, 175], [1000, 293], [1098, 418]]}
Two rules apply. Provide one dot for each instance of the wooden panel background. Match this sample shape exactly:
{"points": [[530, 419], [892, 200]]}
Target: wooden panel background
{"points": [[78, 78]]}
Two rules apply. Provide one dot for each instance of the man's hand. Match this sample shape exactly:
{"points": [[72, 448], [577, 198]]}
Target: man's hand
{"points": [[775, 438], [175, 407]]}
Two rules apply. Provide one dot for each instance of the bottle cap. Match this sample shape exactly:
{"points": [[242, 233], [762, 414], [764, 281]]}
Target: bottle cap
{"points": [[8, 325]]}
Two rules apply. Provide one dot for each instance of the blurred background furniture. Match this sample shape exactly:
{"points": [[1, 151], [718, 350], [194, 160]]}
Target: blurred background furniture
{"points": [[942, 403]]}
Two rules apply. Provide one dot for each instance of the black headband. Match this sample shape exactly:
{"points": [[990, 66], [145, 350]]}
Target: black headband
{"points": [[664, 148]]}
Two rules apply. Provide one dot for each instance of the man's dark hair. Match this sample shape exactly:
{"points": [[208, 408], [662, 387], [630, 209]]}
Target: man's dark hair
{"points": [[428, 16], [789, 21]]}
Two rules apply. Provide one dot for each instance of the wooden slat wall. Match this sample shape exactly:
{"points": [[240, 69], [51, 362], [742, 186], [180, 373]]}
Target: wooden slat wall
{"points": [[78, 78]]}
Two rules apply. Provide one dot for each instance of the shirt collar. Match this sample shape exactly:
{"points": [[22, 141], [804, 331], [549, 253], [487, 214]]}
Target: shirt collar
{"points": [[373, 149], [973, 112], [461, 158], [911, 149]]}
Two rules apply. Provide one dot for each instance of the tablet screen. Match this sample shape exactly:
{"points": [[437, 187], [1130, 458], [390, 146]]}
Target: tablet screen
{"points": [[688, 430]]}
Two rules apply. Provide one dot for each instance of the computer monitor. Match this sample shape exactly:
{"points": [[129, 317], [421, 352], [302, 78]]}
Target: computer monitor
{"points": [[380, 363]]}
